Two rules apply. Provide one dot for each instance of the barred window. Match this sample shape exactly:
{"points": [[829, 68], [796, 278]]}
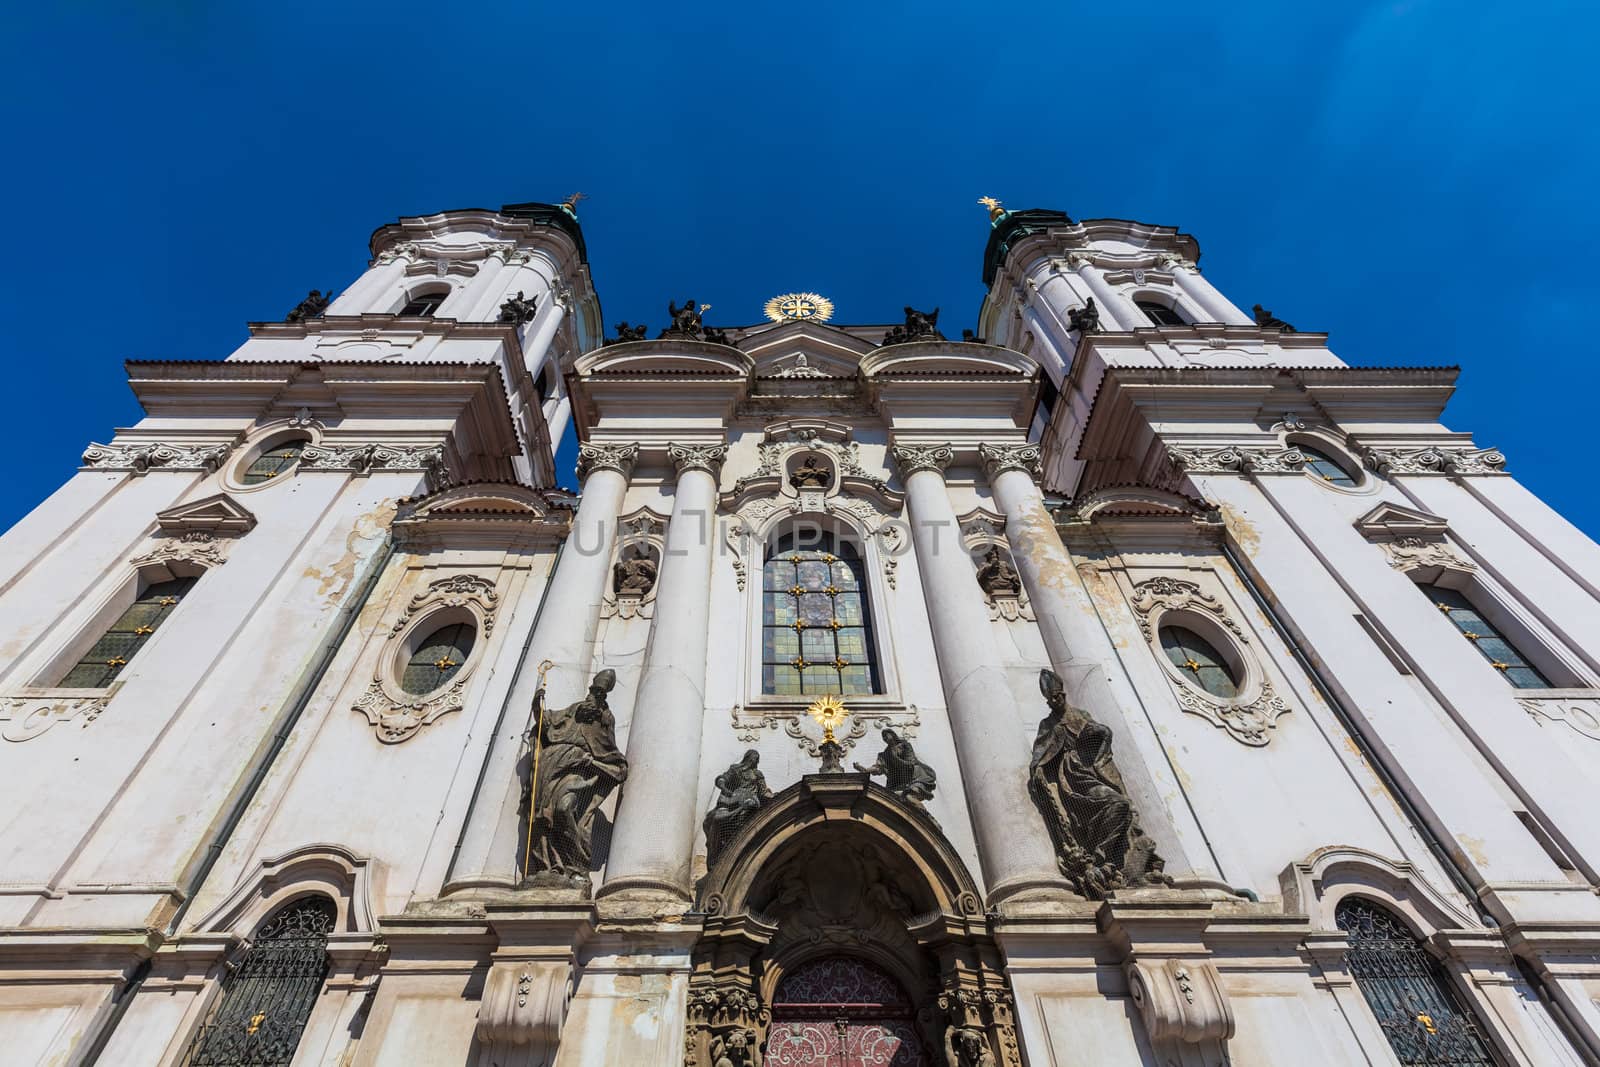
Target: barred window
{"points": [[423, 305], [1160, 313], [272, 462], [1326, 467], [439, 658], [268, 998], [125, 637], [1419, 1011], [1490, 642], [1199, 661], [816, 630]]}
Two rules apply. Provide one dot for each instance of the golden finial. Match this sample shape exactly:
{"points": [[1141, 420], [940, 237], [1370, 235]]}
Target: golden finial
{"points": [[996, 210], [571, 203]]}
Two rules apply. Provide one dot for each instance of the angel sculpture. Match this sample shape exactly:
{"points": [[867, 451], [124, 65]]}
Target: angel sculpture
{"points": [[904, 774]]}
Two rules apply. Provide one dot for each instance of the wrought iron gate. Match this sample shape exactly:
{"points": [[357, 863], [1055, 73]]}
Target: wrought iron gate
{"points": [[842, 1012], [1424, 1020], [267, 1000]]}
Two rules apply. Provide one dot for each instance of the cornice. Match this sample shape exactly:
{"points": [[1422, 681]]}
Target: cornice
{"points": [[520, 222]]}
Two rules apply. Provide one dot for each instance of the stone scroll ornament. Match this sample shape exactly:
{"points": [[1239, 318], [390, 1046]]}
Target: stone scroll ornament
{"points": [[741, 790], [574, 765], [1075, 782]]}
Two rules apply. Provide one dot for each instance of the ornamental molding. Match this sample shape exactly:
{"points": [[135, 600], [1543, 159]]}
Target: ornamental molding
{"points": [[741, 534], [404, 250], [1579, 713], [370, 457], [1411, 553], [1181, 1002], [913, 458], [1435, 459], [706, 458], [748, 724], [982, 530], [997, 459], [33, 712], [830, 443], [1411, 538], [1246, 720], [141, 459], [198, 547], [619, 458], [217, 514], [1237, 459], [1174, 262], [396, 715]]}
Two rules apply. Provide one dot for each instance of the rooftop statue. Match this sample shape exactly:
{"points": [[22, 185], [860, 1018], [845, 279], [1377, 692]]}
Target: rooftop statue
{"points": [[626, 333], [1267, 319], [919, 326], [1085, 319], [311, 307], [685, 320], [576, 765], [519, 309], [1074, 781]]}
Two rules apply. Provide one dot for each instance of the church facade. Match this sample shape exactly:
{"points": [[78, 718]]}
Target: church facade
{"points": [[1129, 682]]}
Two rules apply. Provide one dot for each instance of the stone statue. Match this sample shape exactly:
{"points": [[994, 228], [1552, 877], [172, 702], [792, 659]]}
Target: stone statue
{"points": [[1075, 783], [998, 577], [1085, 319], [736, 1048], [311, 307], [717, 336], [966, 1046], [741, 790], [634, 575], [626, 333], [579, 765], [685, 320], [811, 474], [970, 338], [1267, 319], [904, 774], [919, 326], [519, 309]]}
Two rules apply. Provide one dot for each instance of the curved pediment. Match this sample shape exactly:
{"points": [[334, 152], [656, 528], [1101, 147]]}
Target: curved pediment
{"points": [[804, 350], [958, 358], [480, 498], [665, 357]]}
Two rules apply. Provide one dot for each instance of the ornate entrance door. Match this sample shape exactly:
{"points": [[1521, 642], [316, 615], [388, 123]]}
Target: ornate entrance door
{"points": [[842, 1012]]}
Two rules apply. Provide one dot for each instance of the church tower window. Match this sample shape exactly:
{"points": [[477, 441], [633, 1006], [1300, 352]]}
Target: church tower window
{"points": [[438, 658], [1199, 661], [279, 459], [816, 632], [1489, 642], [423, 305], [105, 659], [1326, 467], [1420, 1014], [1160, 313], [268, 998]]}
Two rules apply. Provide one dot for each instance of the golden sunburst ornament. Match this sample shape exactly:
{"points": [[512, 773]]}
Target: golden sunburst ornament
{"points": [[800, 307], [829, 711]]}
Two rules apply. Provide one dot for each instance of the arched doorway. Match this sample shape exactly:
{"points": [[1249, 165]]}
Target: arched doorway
{"points": [[839, 1011]]}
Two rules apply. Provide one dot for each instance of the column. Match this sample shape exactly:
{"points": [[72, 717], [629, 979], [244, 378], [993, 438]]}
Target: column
{"points": [[363, 294], [653, 843], [1013, 843], [1186, 277], [536, 344], [1115, 312], [564, 636]]}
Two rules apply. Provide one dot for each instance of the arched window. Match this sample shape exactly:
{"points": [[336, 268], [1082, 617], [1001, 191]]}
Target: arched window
{"points": [[439, 658], [816, 632], [1325, 466], [1160, 314], [1422, 1017], [838, 1009], [273, 461], [269, 996], [1199, 661], [1500, 653], [105, 659], [423, 304]]}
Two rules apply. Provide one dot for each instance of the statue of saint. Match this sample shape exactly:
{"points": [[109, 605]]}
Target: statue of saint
{"points": [[1085, 319], [811, 474], [741, 790], [519, 309], [635, 575], [966, 1046], [904, 774], [579, 765], [685, 320], [315, 303], [996, 576], [1267, 320], [1075, 783]]}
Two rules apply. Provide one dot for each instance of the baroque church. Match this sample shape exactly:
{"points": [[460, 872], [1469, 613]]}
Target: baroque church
{"points": [[1129, 682]]}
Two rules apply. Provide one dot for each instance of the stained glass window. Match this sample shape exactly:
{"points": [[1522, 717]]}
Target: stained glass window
{"points": [[816, 633], [268, 998], [439, 658], [1199, 661], [273, 462], [1420, 1013], [106, 658], [1325, 466], [1491, 643]]}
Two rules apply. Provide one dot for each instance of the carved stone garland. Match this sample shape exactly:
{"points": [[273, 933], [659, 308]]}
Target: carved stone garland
{"points": [[395, 715], [1246, 721]]}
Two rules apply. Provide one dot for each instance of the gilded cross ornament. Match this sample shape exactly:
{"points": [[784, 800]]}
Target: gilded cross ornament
{"points": [[997, 210], [799, 307]]}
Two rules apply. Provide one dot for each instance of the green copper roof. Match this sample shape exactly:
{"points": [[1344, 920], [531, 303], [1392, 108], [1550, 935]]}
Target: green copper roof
{"points": [[1012, 227]]}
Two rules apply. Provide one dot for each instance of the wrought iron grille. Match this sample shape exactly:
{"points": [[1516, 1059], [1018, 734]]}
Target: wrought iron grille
{"points": [[1424, 1020], [269, 997]]}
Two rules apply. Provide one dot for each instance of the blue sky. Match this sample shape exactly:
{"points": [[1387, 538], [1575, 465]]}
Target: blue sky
{"points": [[1413, 177]]}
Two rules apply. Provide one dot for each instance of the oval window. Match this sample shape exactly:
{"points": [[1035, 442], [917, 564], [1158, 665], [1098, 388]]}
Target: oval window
{"points": [[1199, 661], [439, 658], [274, 461], [1325, 467]]}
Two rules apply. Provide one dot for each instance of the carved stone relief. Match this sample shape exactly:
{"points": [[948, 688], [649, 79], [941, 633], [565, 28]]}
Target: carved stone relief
{"points": [[30, 714], [140, 459], [199, 547], [1238, 459], [1435, 460], [372, 456], [632, 590], [749, 722], [983, 533], [1411, 552], [1580, 713]]}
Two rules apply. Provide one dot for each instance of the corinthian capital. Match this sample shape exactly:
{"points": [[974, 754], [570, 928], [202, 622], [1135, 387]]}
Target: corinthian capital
{"points": [[617, 458], [706, 458], [913, 458], [997, 459]]}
